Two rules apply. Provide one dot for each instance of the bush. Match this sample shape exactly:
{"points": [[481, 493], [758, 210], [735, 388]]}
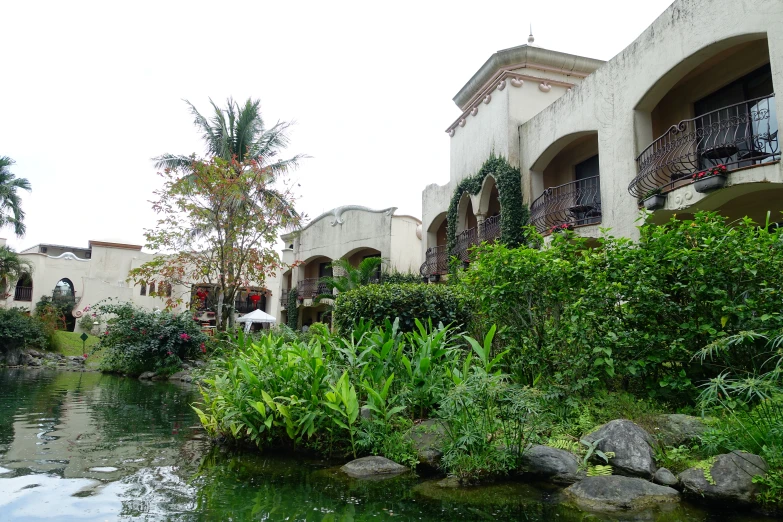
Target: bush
{"points": [[400, 277], [136, 340], [408, 302], [19, 330], [631, 315]]}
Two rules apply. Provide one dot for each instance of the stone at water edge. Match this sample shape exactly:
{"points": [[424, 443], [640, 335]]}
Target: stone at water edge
{"points": [[664, 477], [373, 467], [146, 376], [183, 375], [675, 429], [556, 465], [631, 445], [733, 476], [615, 493], [428, 438]]}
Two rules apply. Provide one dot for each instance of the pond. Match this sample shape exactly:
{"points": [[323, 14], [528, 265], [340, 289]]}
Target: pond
{"points": [[93, 447]]}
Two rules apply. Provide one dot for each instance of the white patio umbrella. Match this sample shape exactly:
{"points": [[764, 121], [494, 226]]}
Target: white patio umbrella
{"points": [[256, 316]]}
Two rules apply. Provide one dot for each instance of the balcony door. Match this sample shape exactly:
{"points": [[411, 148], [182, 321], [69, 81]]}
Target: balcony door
{"points": [[588, 192], [737, 124]]}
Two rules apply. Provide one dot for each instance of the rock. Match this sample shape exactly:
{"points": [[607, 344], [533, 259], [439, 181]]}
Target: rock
{"points": [[664, 477], [13, 357], [732, 474], [75, 359], [199, 364], [180, 376], [32, 361], [614, 493], [449, 482], [676, 429], [373, 467], [556, 465], [34, 353], [428, 437], [631, 445], [146, 376], [157, 377]]}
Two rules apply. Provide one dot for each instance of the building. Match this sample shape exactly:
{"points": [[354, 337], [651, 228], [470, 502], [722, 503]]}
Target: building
{"points": [[349, 232], [592, 140]]}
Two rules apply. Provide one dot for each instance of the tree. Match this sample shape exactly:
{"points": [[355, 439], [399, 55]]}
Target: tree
{"points": [[11, 212], [238, 132], [347, 277], [12, 267], [220, 219]]}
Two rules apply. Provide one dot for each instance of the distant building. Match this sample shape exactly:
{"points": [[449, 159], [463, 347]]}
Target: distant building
{"points": [[592, 140], [350, 232]]}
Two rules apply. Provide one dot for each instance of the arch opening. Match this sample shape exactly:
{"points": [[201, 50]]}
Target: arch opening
{"points": [[24, 288]]}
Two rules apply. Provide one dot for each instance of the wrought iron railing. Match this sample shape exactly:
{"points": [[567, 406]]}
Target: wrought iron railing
{"points": [[576, 203], [23, 293], [243, 306], [284, 298], [491, 229], [737, 136], [465, 240], [310, 288], [436, 262]]}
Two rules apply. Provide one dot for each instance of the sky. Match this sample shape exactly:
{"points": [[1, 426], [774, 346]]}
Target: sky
{"points": [[91, 91]]}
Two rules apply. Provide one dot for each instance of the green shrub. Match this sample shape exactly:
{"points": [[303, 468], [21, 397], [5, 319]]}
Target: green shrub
{"points": [[408, 302], [400, 277], [631, 315], [19, 330], [137, 340]]}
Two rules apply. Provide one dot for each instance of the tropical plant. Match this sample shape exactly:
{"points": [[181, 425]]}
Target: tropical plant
{"points": [[12, 267], [19, 330], [237, 132], [11, 212]]}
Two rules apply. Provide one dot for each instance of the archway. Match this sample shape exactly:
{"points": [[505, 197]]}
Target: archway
{"points": [[716, 107], [24, 288], [566, 183], [356, 256], [489, 208], [64, 299]]}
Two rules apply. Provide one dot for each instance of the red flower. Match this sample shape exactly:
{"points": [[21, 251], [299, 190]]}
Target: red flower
{"points": [[203, 348], [184, 337], [85, 355]]}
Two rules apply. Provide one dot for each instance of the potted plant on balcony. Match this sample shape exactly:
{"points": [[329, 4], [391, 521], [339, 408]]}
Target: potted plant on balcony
{"points": [[653, 199], [710, 179], [562, 228]]}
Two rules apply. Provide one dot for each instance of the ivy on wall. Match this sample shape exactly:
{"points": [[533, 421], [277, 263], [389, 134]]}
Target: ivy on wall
{"points": [[514, 214], [293, 311]]}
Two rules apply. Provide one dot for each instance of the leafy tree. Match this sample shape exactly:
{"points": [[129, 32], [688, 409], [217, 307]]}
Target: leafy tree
{"points": [[238, 132], [220, 219], [12, 267], [11, 212]]}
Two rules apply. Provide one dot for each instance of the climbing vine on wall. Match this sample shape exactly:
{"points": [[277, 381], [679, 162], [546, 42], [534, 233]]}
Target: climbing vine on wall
{"points": [[514, 213], [293, 312]]}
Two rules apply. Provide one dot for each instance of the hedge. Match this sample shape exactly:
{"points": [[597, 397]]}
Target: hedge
{"points": [[408, 301]]}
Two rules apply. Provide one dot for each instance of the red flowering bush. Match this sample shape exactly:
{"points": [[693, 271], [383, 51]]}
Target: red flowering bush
{"points": [[137, 340], [718, 170], [562, 227]]}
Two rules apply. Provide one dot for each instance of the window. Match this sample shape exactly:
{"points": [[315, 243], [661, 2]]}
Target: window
{"points": [[325, 269], [152, 288], [143, 290], [168, 289]]}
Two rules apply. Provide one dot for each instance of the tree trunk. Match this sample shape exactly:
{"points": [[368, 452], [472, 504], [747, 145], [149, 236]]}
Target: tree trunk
{"points": [[219, 312]]}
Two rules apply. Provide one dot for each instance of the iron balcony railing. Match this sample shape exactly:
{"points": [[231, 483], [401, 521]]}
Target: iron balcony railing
{"points": [[284, 298], [310, 288], [737, 136], [575, 203], [23, 293], [436, 262], [491, 229], [244, 306], [465, 240]]}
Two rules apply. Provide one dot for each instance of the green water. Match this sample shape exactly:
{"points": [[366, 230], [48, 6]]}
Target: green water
{"points": [[86, 446]]}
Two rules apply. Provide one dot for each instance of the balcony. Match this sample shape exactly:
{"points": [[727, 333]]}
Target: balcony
{"points": [[244, 307], [436, 262], [739, 135], [23, 293], [465, 240], [577, 203], [491, 229], [310, 288], [284, 298]]}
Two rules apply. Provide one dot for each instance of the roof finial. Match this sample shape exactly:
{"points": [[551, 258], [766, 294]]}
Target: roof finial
{"points": [[530, 38]]}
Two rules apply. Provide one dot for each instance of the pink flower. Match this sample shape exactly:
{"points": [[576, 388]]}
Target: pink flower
{"points": [[86, 309], [168, 353], [184, 337], [85, 355], [203, 348]]}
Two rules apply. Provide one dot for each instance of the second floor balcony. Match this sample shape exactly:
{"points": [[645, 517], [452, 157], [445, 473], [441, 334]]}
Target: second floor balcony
{"points": [[575, 203], [23, 293], [311, 288], [737, 136]]}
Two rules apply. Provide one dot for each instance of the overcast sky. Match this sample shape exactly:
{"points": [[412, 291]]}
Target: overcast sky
{"points": [[90, 91]]}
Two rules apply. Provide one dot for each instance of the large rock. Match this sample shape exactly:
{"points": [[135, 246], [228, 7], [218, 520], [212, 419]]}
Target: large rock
{"points": [[664, 477], [614, 493], [373, 467], [428, 438], [676, 429], [732, 474], [554, 464], [146, 376], [13, 357], [631, 445], [183, 376]]}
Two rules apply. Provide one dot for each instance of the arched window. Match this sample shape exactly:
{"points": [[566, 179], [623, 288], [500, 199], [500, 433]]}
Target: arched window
{"points": [[24, 288], [152, 288], [143, 290], [168, 289]]}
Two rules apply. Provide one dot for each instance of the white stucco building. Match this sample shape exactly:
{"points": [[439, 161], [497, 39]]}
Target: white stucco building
{"points": [[591, 139], [350, 232]]}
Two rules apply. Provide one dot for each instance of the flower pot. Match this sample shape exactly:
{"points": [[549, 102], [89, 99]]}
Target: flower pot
{"points": [[709, 183], [655, 202]]}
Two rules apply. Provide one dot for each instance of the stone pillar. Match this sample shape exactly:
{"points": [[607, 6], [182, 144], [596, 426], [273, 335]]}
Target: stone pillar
{"points": [[480, 218]]}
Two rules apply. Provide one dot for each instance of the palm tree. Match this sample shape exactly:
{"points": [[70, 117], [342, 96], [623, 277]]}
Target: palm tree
{"points": [[11, 212], [12, 267], [238, 132], [349, 277]]}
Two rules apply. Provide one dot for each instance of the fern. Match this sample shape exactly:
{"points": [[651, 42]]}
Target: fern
{"points": [[599, 470], [562, 443]]}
